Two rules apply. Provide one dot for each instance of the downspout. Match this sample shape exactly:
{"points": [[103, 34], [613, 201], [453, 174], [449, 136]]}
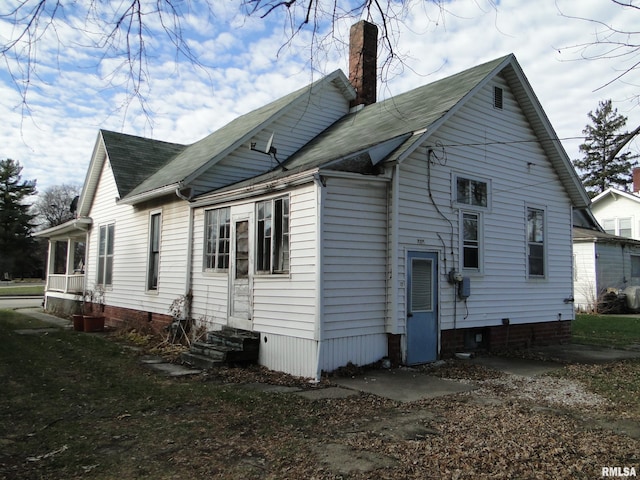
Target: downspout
{"points": [[188, 273], [393, 260], [319, 183]]}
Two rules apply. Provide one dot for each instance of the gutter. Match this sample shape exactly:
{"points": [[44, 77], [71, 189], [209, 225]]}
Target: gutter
{"points": [[150, 195], [256, 190]]}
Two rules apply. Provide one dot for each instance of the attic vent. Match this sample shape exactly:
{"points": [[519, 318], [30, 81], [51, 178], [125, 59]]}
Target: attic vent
{"points": [[497, 97]]}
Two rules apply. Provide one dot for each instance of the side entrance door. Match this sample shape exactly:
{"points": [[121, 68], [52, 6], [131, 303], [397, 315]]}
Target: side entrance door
{"points": [[422, 307], [240, 276]]}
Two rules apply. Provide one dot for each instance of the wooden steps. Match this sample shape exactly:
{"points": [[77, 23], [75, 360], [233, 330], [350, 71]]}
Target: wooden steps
{"points": [[228, 346]]}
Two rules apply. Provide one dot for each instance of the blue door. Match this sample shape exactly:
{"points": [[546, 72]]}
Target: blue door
{"points": [[422, 307]]}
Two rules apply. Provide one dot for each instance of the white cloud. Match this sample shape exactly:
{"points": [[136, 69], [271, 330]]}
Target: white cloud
{"points": [[246, 67]]}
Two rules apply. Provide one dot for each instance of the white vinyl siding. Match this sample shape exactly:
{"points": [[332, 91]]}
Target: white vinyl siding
{"points": [[481, 142], [286, 304], [354, 258], [130, 249], [584, 287], [619, 214], [290, 132]]}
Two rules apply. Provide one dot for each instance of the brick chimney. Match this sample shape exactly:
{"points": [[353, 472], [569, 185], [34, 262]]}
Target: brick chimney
{"points": [[363, 52], [636, 180]]}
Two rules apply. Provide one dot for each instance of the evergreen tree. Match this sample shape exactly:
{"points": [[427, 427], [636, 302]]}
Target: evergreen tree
{"points": [[17, 246], [600, 171]]}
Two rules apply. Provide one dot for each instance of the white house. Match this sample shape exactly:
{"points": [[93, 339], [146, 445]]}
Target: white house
{"points": [[342, 229], [618, 212], [607, 258]]}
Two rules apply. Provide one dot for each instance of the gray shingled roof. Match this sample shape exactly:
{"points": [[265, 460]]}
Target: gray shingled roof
{"points": [[391, 118], [379, 122], [133, 159], [210, 149], [589, 235]]}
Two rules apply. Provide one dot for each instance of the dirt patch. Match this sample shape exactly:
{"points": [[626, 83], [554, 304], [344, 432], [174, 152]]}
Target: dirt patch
{"points": [[345, 459]]}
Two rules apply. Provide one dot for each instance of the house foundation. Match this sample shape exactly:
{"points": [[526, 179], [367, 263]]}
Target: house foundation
{"points": [[120, 317], [504, 337]]}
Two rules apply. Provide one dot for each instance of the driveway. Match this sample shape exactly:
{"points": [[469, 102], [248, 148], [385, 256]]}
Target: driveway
{"points": [[12, 303]]}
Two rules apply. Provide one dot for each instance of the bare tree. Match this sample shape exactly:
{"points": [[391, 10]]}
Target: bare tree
{"points": [[55, 205], [618, 45], [122, 31]]}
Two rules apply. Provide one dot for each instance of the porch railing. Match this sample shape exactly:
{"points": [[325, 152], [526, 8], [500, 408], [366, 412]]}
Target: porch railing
{"points": [[66, 283]]}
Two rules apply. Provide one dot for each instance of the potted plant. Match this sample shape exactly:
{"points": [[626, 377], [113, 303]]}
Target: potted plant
{"points": [[93, 318], [78, 322]]}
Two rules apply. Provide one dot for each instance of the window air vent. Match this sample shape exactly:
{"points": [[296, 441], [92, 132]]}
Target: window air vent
{"points": [[497, 97]]}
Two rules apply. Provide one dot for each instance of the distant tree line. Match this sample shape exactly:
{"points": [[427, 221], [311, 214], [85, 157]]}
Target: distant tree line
{"points": [[21, 214]]}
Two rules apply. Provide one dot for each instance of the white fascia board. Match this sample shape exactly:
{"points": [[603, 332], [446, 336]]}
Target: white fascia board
{"points": [[150, 195], [98, 159], [76, 226]]}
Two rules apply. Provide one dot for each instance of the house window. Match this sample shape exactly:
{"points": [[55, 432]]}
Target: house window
{"points": [[618, 226], [154, 252], [609, 225], [535, 242], [624, 225], [105, 254], [472, 192], [272, 254], [217, 240], [635, 265], [471, 247]]}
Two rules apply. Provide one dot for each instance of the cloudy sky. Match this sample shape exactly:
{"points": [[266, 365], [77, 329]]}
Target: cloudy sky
{"points": [[51, 118]]}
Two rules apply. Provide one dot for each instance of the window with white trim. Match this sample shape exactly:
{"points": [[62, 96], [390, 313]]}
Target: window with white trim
{"points": [[609, 225], [536, 242], [106, 235], [624, 227], [272, 243], [217, 239], [472, 192], [618, 226], [153, 268], [471, 241]]}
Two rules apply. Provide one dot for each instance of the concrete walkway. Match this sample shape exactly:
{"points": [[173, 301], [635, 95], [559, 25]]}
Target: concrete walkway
{"points": [[407, 384], [38, 313], [403, 385]]}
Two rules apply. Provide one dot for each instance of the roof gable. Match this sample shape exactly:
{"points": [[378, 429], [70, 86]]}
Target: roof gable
{"points": [[413, 116], [133, 159], [397, 116], [201, 155], [611, 194]]}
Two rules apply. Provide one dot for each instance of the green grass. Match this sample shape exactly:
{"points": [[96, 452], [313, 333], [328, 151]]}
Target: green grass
{"points": [[606, 330], [21, 290], [75, 405]]}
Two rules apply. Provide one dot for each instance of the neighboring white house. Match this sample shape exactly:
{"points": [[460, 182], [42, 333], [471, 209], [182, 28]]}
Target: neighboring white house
{"points": [[618, 212], [603, 263], [608, 258], [341, 229]]}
